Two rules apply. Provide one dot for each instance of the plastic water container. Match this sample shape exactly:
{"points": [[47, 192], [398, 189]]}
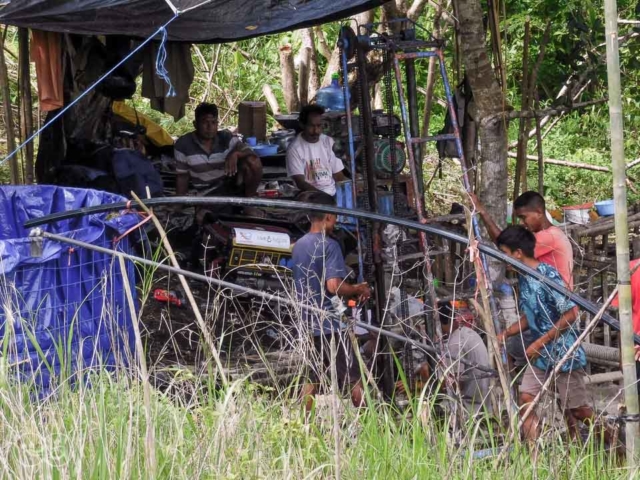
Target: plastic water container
{"points": [[385, 203], [331, 97], [344, 199]]}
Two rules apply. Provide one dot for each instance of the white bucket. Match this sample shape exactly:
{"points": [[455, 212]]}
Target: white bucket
{"points": [[579, 217]]}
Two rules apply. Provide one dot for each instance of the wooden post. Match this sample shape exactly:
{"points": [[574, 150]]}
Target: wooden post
{"points": [[622, 232], [26, 104], [431, 76], [8, 113]]}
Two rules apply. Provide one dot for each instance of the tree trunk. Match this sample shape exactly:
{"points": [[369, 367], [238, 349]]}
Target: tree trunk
{"points": [[289, 88], [307, 53], [488, 98], [309, 40], [303, 75], [334, 62]]}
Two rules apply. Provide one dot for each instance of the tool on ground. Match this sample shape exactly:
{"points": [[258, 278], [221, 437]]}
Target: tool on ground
{"points": [[168, 296]]}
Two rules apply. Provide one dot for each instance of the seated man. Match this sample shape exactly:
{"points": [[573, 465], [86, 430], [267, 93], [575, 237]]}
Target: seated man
{"points": [[464, 383], [464, 343], [215, 158], [311, 162], [319, 273]]}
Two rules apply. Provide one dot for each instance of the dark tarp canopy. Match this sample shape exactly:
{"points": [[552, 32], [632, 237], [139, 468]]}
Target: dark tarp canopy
{"points": [[200, 21]]}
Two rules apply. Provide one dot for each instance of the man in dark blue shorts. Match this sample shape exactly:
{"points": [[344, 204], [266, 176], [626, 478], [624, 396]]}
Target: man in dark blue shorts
{"points": [[319, 272]]}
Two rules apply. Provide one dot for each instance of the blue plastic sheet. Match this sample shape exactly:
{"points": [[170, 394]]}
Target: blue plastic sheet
{"points": [[204, 21], [62, 309]]}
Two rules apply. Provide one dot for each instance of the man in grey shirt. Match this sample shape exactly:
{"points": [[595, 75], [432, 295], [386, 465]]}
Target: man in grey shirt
{"points": [[466, 383]]}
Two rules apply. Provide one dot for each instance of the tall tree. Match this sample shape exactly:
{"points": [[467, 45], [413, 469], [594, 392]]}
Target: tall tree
{"points": [[489, 102]]}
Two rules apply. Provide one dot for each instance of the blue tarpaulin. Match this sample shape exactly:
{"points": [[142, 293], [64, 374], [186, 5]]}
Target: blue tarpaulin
{"points": [[62, 309]]}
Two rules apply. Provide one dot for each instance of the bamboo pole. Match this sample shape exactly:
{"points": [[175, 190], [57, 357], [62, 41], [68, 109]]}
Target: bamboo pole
{"points": [[539, 149], [26, 103], [149, 442], [521, 161], [187, 289], [490, 328], [621, 229], [8, 113]]}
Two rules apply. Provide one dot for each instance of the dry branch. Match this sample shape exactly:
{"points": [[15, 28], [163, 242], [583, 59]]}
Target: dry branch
{"points": [[563, 163], [271, 99], [323, 46], [633, 163], [546, 112]]}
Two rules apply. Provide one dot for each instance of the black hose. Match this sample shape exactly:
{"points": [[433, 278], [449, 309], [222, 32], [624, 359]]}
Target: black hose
{"points": [[288, 204], [250, 291]]}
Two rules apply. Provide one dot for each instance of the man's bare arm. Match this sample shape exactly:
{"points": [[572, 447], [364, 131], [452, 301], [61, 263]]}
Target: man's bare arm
{"points": [[492, 228], [182, 184], [303, 185], [337, 286], [340, 176]]}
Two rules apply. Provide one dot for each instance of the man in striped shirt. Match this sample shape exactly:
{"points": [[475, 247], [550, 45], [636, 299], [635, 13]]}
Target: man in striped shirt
{"points": [[215, 158]]}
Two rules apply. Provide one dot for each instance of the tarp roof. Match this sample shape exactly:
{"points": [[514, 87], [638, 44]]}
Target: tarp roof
{"points": [[202, 21]]}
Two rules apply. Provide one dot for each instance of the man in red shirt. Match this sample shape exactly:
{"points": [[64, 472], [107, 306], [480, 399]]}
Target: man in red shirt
{"points": [[635, 308], [553, 247]]}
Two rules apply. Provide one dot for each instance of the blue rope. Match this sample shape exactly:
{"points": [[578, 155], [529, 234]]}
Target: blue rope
{"points": [[162, 29], [161, 59]]}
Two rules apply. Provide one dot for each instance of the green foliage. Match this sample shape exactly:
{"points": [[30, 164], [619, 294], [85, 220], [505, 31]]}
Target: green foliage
{"points": [[576, 44]]}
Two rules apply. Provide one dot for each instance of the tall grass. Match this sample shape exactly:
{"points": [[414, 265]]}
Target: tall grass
{"points": [[98, 429], [242, 432]]}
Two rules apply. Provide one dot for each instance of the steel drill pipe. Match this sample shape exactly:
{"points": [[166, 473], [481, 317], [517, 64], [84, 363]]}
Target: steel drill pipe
{"points": [[376, 217], [269, 297]]}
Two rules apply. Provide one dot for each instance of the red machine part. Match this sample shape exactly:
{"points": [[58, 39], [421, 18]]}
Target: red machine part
{"points": [[167, 296]]}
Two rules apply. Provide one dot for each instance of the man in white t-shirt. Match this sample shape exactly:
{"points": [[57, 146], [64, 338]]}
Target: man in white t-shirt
{"points": [[311, 162]]}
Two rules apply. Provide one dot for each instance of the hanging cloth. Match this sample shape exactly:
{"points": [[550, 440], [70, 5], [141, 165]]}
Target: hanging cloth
{"points": [[46, 52], [179, 69]]}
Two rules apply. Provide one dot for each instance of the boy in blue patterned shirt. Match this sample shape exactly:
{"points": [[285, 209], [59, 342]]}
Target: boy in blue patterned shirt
{"points": [[550, 317]]}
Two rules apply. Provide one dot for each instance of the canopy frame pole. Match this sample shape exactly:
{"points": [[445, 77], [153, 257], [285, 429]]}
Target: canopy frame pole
{"points": [[622, 232]]}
